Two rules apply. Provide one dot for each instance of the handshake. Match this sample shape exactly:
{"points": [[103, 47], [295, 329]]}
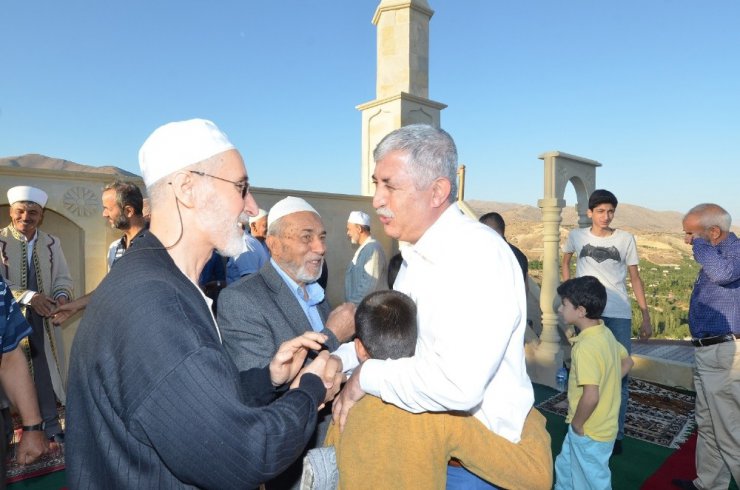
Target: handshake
{"points": [[286, 365]]}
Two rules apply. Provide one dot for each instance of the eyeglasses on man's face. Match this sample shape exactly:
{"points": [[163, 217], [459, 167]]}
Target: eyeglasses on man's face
{"points": [[242, 186]]}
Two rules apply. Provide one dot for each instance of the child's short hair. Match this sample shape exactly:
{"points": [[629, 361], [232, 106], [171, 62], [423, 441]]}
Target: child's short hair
{"points": [[601, 196], [585, 291], [385, 323]]}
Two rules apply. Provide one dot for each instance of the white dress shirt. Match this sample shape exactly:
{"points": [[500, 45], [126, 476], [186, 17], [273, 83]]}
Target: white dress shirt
{"points": [[469, 293]]}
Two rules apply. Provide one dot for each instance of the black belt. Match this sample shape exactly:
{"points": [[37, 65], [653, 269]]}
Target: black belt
{"points": [[717, 339]]}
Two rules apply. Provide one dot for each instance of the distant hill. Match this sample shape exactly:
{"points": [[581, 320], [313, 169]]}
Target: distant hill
{"points": [[659, 234], [41, 161]]}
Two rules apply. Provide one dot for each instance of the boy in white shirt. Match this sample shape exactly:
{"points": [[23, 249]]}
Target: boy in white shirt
{"points": [[609, 254]]}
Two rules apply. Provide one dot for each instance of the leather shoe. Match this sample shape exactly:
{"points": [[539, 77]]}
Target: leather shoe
{"points": [[685, 484]]}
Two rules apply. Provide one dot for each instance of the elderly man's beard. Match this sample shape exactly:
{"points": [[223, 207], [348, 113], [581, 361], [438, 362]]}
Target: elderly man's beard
{"points": [[222, 228], [302, 273]]}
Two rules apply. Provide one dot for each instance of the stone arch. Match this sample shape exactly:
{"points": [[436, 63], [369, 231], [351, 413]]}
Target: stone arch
{"points": [[560, 169]]}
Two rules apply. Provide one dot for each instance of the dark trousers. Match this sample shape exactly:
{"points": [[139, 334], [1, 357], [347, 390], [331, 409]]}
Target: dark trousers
{"points": [[41, 377]]}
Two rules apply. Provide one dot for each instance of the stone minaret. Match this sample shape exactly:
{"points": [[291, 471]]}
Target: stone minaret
{"points": [[402, 86]]}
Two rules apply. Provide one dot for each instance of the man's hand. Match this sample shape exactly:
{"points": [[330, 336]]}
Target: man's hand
{"points": [[341, 322], [42, 304], [646, 329], [351, 394], [65, 310], [578, 429], [329, 369], [33, 444], [291, 355], [333, 375]]}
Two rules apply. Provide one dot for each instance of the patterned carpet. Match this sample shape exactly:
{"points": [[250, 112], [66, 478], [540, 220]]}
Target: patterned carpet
{"points": [[50, 462], [656, 414]]}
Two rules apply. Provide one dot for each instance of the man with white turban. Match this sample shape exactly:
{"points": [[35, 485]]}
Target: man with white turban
{"points": [[155, 400], [368, 269], [35, 268]]}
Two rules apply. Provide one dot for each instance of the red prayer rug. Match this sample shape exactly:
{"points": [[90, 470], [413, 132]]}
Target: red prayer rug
{"points": [[48, 463]]}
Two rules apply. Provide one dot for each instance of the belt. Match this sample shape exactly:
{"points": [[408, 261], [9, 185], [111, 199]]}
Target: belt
{"points": [[717, 339]]}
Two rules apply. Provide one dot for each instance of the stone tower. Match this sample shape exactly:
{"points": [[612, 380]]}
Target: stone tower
{"points": [[402, 87]]}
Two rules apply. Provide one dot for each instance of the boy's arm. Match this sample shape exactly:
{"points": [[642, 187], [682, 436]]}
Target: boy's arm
{"points": [[565, 265], [586, 406], [646, 330], [627, 364]]}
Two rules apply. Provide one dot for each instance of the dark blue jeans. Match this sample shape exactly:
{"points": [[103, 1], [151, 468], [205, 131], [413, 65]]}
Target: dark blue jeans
{"points": [[622, 330]]}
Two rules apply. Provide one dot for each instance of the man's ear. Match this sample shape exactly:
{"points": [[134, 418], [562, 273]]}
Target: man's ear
{"points": [[714, 232], [362, 353], [440, 191], [128, 211], [272, 245], [581, 312], [183, 186]]}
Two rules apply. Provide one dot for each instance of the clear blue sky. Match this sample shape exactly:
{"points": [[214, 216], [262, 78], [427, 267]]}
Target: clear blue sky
{"points": [[649, 88]]}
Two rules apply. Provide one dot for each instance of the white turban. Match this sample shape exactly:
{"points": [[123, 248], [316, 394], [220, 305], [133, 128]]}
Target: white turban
{"points": [[287, 206], [27, 193], [359, 218], [260, 214], [177, 145]]}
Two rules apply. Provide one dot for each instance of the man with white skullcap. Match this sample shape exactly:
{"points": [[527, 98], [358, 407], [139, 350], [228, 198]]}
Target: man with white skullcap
{"points": [[155, 400], [368, 270], [255, 252], [283, 299], [34, 266]]}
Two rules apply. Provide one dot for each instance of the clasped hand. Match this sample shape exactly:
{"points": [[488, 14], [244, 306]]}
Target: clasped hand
{"points": [[287, 364], [42, 304]]}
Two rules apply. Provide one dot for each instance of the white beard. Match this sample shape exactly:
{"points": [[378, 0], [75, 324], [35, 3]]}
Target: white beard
{"points": [[225, 231]]}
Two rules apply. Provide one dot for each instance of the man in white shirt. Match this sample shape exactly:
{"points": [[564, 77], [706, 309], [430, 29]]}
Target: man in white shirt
{"points": [[368, 269], [469, 293]]}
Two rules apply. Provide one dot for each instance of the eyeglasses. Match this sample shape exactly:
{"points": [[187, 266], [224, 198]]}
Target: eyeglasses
{"points": [[242, 186]]}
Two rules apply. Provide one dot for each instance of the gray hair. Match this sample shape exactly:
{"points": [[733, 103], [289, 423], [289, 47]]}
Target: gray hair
{"points": [[157, 191], [432, 154], [712, 215], [276, 227]]}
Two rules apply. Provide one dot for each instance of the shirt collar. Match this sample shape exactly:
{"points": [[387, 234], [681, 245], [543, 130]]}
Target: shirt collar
{"points": [[434, 242], [314, 290], [20, 236], [594, 330]]}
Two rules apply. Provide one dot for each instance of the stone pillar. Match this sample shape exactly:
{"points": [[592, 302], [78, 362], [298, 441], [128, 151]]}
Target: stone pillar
{"points": [[560, 169], [548, 355], [402, 83]]}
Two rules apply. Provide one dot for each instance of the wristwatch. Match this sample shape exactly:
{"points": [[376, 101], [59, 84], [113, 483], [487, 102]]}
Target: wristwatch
{"points": [[30, 428]]}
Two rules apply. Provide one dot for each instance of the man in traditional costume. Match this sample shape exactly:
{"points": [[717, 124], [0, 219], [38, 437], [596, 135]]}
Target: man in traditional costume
{"points": [[35, 268]]}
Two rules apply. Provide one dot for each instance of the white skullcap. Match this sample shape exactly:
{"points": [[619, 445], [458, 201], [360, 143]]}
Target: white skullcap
{"points": [[359, 218], [287, 206], [177, 145], [27, 193], [260, 214]]}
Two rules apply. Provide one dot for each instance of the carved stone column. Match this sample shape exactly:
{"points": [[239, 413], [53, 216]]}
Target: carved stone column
{"points": [[560, 169]]}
